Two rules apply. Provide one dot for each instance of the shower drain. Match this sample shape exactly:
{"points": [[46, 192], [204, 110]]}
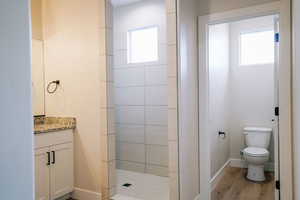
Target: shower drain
{"points": [[127, 185]]}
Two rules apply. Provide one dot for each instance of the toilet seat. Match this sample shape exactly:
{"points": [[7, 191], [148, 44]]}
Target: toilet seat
{"points": [[256, 151]]}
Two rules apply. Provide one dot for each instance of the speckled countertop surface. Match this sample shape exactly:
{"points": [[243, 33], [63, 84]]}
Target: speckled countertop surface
{"points": [[51, 124]]}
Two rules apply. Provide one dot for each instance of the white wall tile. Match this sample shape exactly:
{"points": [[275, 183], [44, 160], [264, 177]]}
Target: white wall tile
{"points": [[111, 144], [171, 6], [131, 152], [109, 14], [156, 95], [162, 37], [156, 135], [173, 156], [171, 26], [109, 42], [172, 92], [130, 114], [172, 125], [111, 147], [109, 63], [129, 76], [107, 122], [108, 147], [162, 54], [112, 174], [120, 58], [156, 115], [120, 40], [110, 95], [157, 155], [174, 189], [157, 170], [156, 75], [172, 60], [150, 74], [130, 96], [111, 121], [131, 166], [131, 133]]}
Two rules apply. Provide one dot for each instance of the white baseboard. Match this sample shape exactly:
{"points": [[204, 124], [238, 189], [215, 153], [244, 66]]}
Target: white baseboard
{"points": [[234, 162], [218, 176], [82, 194]]}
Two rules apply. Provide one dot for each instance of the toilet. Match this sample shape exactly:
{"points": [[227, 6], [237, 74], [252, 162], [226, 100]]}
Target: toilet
{"points": [[256, 153]]}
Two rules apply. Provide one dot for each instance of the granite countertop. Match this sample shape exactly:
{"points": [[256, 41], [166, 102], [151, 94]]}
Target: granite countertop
{"points": [[51, 124]]}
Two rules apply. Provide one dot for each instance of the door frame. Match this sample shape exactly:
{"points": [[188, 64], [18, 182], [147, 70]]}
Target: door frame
{"points": [[282, 9]]}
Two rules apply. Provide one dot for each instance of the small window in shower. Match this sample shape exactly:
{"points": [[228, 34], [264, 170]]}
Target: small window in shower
{"points": [[257, 48], [142, 45]]}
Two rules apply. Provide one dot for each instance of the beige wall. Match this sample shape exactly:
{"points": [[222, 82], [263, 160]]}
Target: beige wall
{"points": [[72, 49], [36, 15], [38, 82], [211, 6]]}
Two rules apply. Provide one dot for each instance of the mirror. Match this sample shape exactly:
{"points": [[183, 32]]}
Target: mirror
{"points": [[38, 74], [38, 83]]}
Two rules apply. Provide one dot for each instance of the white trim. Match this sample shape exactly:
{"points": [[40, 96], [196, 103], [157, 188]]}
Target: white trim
{"points": [[240, 163], [285, 102], [218, 176], [244, 13], [82, 194], [296, 96]]}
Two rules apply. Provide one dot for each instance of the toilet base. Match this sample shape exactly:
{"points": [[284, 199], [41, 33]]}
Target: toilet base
{"points": [[256, 172]]}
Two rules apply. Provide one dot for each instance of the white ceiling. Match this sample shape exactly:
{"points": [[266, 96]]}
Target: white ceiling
{"points": [[123, 2]]}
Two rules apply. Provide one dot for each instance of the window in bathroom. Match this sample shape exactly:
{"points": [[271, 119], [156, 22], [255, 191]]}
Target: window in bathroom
{"points": [[257, 48], [142, 45]]}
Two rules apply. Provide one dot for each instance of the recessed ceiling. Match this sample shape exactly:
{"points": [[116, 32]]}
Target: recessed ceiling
{"points": [[123, 2]]}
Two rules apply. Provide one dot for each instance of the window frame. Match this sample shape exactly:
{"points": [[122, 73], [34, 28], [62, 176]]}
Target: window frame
{"points": [[129, 36], [240, 47]]}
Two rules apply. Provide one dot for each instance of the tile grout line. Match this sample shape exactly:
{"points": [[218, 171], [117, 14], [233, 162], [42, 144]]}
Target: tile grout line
{"points": [[145, 168]]}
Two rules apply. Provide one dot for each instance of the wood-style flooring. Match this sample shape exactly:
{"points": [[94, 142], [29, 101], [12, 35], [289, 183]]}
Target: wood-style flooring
{"points": [[234, 186]]}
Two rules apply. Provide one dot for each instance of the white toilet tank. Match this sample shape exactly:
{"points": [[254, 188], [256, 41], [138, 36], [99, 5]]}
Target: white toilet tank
{"points": [[257, 136]]}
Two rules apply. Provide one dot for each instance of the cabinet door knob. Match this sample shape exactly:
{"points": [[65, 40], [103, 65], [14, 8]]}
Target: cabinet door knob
{"points": [[53, 156], [48, 153]]}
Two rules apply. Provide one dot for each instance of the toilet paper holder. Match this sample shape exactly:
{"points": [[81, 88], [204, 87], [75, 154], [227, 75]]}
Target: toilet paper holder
{"points": [[222, 134]]}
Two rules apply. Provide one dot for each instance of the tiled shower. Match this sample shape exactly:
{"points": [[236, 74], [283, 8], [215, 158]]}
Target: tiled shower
{"points": [[141, 93]]}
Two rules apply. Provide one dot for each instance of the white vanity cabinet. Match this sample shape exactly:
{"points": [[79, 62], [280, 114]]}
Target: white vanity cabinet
{"points": [[54, 168]]}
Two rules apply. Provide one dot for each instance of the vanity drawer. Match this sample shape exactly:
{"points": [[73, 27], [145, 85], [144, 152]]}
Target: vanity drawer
{"points": [[53, 138]]}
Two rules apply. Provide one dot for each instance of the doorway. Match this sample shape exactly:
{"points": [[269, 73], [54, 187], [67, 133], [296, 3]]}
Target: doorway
{"points": [[239, 98]]}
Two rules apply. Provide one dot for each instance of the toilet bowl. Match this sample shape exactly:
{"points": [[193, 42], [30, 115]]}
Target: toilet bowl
{"points": [[256, 158], [256, 153]]}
